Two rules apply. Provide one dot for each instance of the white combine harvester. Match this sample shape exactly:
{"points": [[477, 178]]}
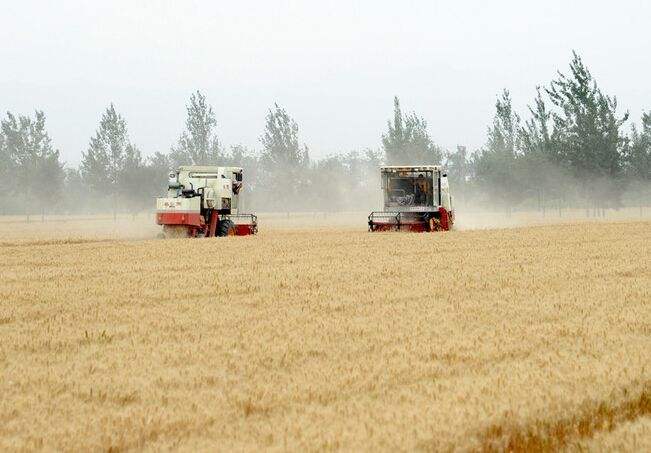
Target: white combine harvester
{"points": [[416, 198], [203, 201]]}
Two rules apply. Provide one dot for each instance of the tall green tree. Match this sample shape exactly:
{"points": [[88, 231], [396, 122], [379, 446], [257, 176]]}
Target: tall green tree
{"points": [[134, 181], [587, 132], [497, 166], [535, 135], [542, 165], [110, 156], [460, 171], [638, 154], [503, 135], [281, 149], [284, 160], [31, 163], [198, 144], [7, 174], [637, 163], [407, 141]]}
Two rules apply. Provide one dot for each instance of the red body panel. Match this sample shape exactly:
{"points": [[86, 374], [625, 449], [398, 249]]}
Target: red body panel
{"points": [[212, 227], [180, 218], [244, 229], [444, 219], [198, 227]]}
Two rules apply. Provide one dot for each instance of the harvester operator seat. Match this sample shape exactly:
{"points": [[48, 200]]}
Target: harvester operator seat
{"points": [[420, 190]]}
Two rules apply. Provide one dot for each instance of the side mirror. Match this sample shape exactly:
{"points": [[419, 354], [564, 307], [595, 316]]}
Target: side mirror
{"points": [[445, 175], [173, 181]]}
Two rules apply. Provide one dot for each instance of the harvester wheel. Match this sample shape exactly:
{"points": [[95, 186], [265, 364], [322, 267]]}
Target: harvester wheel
{"points": [[175, 231], [226, 228]]}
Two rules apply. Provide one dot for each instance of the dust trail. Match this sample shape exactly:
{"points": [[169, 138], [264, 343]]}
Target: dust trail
{"points": [[474, 220], [38, 242], [73, 229], [77, 228]]}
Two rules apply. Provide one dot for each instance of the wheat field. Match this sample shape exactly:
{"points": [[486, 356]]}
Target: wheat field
{"points": [[529, 338]]}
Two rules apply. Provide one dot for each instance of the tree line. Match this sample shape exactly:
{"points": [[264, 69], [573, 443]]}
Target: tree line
{"points": [[573, 150]]}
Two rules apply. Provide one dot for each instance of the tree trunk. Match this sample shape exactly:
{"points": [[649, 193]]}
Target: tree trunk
{"points": [[539, 202]]}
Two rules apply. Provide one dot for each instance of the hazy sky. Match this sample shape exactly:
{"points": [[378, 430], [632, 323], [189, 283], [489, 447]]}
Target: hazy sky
{"points": [[335, 66]]}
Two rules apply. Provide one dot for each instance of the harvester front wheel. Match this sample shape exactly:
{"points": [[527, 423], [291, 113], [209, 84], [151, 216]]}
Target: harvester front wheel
{"points": [[226, 228]]}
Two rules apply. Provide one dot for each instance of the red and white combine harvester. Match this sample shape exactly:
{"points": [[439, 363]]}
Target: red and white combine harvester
{"points": [[416, 198], [203, 201]]}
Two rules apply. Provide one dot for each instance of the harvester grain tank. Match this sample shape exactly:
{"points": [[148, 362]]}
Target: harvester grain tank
{"points": [[416, 198], [203, 201]]}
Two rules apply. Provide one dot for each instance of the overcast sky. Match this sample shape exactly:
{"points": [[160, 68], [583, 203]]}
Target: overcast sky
{"points": [[335, 66]]}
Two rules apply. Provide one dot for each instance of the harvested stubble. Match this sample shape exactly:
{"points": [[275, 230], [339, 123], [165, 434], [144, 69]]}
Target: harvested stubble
{"points": [[531, 338]]}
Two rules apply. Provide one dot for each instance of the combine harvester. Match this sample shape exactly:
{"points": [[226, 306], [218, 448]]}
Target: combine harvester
{"points": [[416, 198], [202, 201]]}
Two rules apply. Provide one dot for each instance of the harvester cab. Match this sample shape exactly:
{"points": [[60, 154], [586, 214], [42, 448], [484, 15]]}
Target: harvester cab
{"points": [[204, 201], [416, 198]]}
